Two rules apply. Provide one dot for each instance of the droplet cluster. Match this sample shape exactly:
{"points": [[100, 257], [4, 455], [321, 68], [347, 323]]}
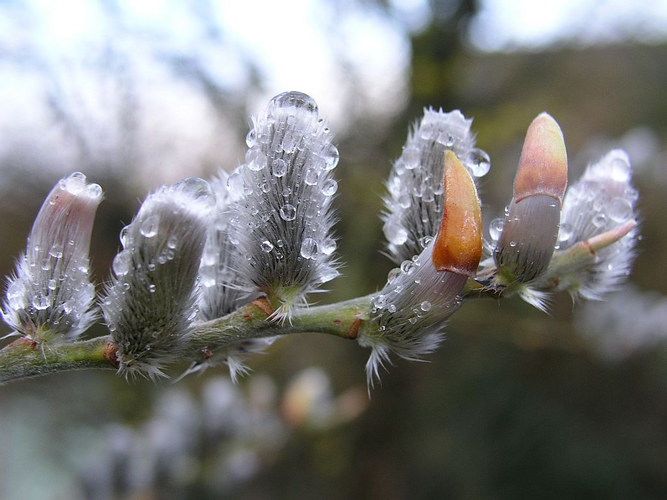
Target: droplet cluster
{"points": [[601, 200], [283, 218], [150, 301], [415, 198], [51, 290]]}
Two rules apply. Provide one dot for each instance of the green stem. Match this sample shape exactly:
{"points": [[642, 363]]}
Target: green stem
{"points": [[25, 358]]}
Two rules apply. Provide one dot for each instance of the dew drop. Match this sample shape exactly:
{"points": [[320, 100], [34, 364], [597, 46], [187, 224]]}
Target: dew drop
{"points": [[172, 242], [407, 266], [311, 177], [496, 228], [257, 163], [56, 251], [266, 246], [599, 221], [287, 212], [620, 170], [330, 156], [125, 237], [424, 241], [309, 248], [404, 201], [152, 288], [293, 100], [329, 187], [565, 232], [328, 274], [235, 182], [479, 162], [52, 284], [40, 302], [150, 226], [279, 167], [425, 306], [619, 210], [121, 263], [196, 187], [512, 244], [395, 233], [94, 191], [411, 157], [251, 137], [328, 246]]}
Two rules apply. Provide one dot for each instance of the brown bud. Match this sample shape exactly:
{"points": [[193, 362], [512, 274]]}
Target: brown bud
{"points": [[458, 245], [543, 163]]}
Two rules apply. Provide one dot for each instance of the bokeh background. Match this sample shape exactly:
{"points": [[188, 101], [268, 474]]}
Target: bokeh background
{"points": [[515, 404]]}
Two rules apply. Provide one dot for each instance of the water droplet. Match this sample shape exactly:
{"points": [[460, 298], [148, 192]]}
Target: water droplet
{"points": [[512, 244], [257, 163], [293, 100], [172, 242], [395, 233], [619, 210], [52, 284], [235, 182], [330, 156], [40, 302], [196, 187], [599, 221], [152, 288], [125, 237], [207, 280], [279, 167], [94, 191], [74, 183], [424, 241], [251, 137], [565, 232], [620, 170], [121, 263], [425, 306], [328, 246], [311, 177], [404, 201], [329, 187], [309, 248], [267, 246], [411, 157], [56, 251], [479, 162], [407, 266], [150, 226], [328, 274], [496, 228], [288, 212]]}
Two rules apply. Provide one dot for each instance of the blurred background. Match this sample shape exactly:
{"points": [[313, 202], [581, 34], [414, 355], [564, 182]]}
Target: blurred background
{"points": [[515, 404]]}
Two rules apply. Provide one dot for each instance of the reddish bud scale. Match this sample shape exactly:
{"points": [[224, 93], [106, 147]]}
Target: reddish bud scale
{"points": [[543, 163], [458, 245]]}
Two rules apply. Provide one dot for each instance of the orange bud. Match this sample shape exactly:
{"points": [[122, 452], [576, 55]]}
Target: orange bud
{"points": [[458, 245], [543, 163]]}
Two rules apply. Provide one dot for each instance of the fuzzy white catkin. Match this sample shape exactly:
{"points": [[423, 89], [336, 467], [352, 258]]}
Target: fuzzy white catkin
{"points": [[283, 221], [601, 200], [51, 292], [414, 203], [411, 311], [221, 283], [150, 302]]}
